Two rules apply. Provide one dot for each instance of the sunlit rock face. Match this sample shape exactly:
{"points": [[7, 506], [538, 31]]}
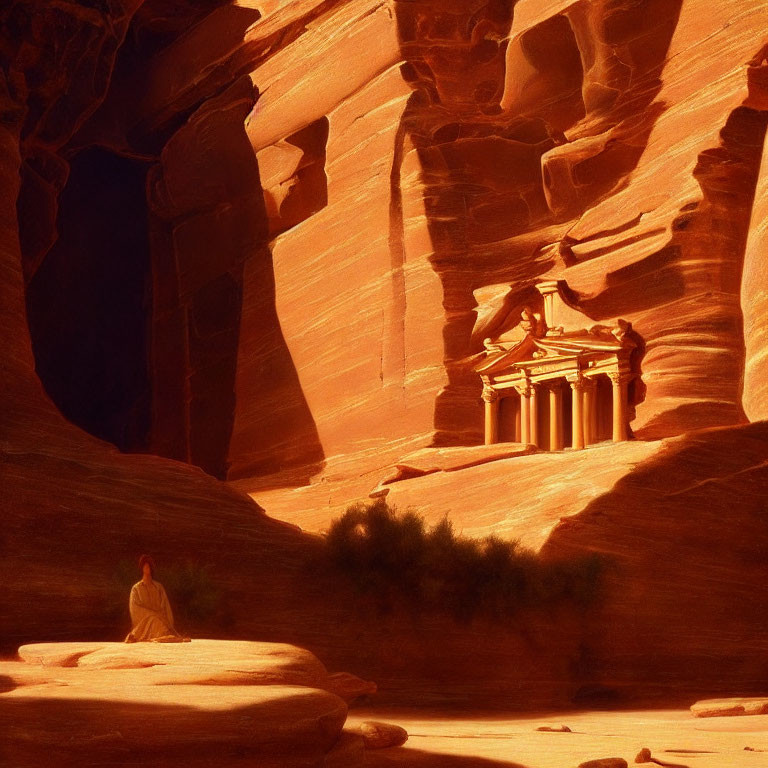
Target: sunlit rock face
{"points": [[344, 198], [615, 145], [754, 300]]}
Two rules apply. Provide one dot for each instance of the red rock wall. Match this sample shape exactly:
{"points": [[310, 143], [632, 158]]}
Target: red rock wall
{"points": [[683, 538], [214, 309], [337, 190], [501, 145], [73, 507], [368, 359], [389, 200], [754, 302]]}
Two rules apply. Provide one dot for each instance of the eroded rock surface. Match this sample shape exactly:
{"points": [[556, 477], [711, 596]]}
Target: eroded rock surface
{"points": [[730, 707], [256, 663], [330, 235], [87, 703], [682, 535], [378, 735]]}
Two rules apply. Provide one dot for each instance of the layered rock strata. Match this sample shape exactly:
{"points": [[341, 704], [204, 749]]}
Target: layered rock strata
{"points": [[75, 510], [331, 236], [208, 700]]}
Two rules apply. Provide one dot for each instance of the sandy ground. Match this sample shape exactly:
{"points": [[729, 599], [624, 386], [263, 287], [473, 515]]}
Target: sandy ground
{"points": [[675, 738]]}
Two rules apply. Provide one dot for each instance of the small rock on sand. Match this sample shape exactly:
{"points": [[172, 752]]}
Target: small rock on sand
{"points": [[554, 729], [380, 735], [605, 762]]}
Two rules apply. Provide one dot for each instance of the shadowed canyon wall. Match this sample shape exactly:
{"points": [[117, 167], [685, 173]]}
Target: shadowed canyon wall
{"points": [[73, 506], [89, 301]]}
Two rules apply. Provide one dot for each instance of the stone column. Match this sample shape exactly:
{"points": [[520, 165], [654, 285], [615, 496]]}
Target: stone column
{"points": [[525, 414], [577, 411], [534, 430], [590, 411], [555, 417], [491, 398], [619, 407]]}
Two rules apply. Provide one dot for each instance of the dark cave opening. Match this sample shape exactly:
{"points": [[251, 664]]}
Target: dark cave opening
{"points": [[88, 304]]}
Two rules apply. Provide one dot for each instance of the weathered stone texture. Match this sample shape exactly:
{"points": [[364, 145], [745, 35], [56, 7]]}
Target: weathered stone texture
{"points": [[212, 700], [342, 218], [343, 198]]}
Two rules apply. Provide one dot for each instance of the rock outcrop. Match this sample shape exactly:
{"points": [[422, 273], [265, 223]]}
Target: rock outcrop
{"points": [[60, 485], [683, 536], [382, 735], [730, 707], [679, 527], [89, 703]]}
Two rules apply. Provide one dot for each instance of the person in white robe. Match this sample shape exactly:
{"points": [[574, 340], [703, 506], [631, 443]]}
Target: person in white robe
{"points": [[151, 614]]}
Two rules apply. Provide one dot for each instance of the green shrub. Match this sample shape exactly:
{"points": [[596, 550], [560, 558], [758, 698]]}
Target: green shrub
{"points": [[398, 561]]}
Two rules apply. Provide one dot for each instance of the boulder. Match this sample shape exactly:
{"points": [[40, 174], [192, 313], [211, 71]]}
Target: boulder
{"points": [[381, 735], [730, 707], [91, 703], [229, 717], [605, 762], [199, 662], [349, 687]]}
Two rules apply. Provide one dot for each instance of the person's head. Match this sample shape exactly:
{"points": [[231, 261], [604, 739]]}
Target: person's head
{"points": [[147, 566]]}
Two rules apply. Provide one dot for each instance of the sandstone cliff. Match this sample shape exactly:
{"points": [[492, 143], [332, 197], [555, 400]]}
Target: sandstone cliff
{"points": [[267, 239], [326, 237]]}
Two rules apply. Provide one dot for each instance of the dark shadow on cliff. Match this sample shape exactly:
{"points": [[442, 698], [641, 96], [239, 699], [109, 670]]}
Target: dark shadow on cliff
{"points": [[135, 316], [686, 533], [89, 302]]}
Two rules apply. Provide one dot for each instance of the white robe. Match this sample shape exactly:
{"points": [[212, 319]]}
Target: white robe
{"points": [[151, 614]]}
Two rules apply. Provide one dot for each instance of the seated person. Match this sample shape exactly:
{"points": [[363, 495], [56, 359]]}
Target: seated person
{"points": [[151, 614]]}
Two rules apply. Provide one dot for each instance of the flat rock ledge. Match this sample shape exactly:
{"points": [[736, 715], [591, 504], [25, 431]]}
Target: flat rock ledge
{"points": [[427, 461], [230, 702], [730, 707]]}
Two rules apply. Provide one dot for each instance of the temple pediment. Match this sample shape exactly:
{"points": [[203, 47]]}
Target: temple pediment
{"points": [[562, 332], [531, 350]]}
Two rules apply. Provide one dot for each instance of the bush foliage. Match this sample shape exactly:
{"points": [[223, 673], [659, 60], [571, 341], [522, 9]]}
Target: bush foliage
{"points": [[399, 561]]}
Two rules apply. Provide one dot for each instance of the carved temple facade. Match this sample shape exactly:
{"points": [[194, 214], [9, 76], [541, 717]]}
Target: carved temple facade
{"points": [[559, 380]]}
